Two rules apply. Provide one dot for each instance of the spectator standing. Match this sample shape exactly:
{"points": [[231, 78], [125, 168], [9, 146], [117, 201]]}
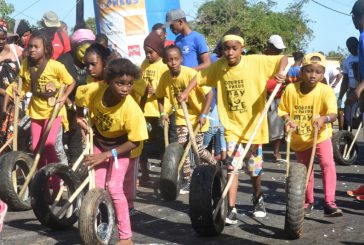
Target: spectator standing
{"points": [[192, 44]]}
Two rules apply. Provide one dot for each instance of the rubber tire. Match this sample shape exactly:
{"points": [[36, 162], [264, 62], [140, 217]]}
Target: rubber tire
{"points": [[39, 201], [7, 193], [207, 185], [339, 139], [88, 217], [296, 193], [170, 180]]}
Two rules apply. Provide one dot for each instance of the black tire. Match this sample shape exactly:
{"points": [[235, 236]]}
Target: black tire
{"points": [[339, 140], [97, 212], [170, 180], [207, 185], [21, 162], [296, 192], [41, 196]]}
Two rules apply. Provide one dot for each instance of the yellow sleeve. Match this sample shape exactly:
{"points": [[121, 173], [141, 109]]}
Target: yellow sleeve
{"points": [[139, 87], [283, 107], [135, 124], [162, 87], [63, 75], [25, 89], [209, 75], [85, 93], [269, 64]]}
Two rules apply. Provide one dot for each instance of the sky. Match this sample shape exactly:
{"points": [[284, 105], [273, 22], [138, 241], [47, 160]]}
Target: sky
{"points": [[331, 29]]}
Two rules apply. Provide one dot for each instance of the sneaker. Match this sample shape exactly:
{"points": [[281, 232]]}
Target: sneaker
{"points": [[332, 211], [185, 189], [231, 216], [308, 209], [259, 208], [3, 210]]}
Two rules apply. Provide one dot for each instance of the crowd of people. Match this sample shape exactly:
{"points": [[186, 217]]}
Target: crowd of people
{"points": [[225, 93]]}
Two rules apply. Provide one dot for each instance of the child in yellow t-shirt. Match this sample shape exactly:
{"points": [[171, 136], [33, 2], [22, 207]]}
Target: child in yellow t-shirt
{"points": [[43, 76], [241, 97], [171, 84], [306, 104], [96, 57], [119, 127], [151, 71]]}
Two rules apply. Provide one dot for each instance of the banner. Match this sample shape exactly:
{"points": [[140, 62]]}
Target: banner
{"points": [[127, 23]]}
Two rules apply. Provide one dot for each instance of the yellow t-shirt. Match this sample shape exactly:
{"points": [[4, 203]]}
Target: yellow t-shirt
{"points": [[112, 122], [151, 73], [171, 87], [241, 94], [90, 79], [304, 108], [53, 72]]}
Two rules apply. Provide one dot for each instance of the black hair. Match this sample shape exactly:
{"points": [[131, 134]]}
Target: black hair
{"points": [[101, 37], [352, 41], [119, 67], [100, 50], [235, 30], [358, 8], [315, 58], [297, 56], [158, 26], [47, 42], [170, 47]]}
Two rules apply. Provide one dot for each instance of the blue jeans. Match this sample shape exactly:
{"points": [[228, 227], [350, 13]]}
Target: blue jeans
{"points": [[216, 133]]}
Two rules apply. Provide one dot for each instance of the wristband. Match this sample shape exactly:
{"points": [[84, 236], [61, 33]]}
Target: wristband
{"points": [[163, 114], [328, 119], [114, 153], [203, 115]]}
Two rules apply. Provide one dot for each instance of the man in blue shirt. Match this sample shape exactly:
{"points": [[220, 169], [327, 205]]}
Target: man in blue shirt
{"points": [[192, 44]]}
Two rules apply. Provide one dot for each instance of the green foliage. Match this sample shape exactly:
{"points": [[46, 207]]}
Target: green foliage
{"points": [[6, 10], [340, 54], [256, 20], [91, 23]]}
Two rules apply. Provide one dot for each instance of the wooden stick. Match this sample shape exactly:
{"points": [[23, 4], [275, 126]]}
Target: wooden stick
{"points": [[166, 142], [346, 145], [74, 167], [288, 151], [246, 148], [16, 114], [190, 131], [6, 144], [187, 149], [353, 142], [32, 170], [92, 184], [310, 165]]}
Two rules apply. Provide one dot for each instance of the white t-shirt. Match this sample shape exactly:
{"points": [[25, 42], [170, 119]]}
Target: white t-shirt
{"points": [[348, 69], [330, 72]]}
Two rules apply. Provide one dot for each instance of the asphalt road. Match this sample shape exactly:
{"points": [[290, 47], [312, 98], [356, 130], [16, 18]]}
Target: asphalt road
{"points": [[160, 222]]}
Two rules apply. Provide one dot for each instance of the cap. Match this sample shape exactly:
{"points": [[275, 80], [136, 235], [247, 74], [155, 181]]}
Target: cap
{"points": [[50, 19], [309, 59], [174, 14], [82, 35], [277, 41]]}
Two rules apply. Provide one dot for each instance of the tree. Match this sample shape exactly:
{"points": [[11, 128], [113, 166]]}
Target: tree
{"points": [[256, 20], [6, 10], [340, 54], [91, 23]]}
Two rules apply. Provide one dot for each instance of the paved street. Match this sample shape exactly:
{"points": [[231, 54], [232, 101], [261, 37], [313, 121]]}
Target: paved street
{"points": [[160, 222]]}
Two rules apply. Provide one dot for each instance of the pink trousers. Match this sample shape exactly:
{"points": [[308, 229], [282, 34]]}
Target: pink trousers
{"points": [[325, 156], [119, 186], [38, 127]]}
